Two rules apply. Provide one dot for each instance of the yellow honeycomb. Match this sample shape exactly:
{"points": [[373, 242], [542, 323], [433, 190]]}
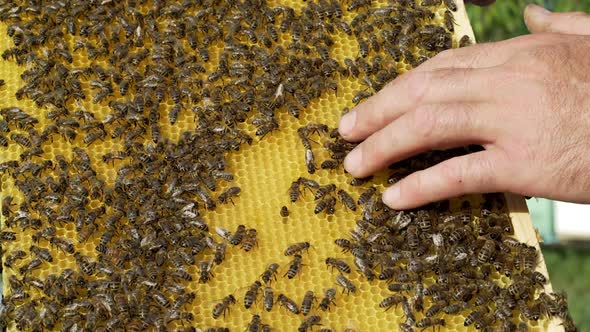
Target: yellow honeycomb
{"points": [[264, 172]]}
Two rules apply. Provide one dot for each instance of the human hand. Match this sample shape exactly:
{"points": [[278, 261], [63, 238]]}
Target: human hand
{"points": [[525, 100]]}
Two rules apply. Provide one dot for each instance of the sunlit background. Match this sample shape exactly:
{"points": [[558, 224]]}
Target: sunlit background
{"points": [[565, 228]]}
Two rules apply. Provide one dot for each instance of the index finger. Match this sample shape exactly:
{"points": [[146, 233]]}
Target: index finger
{"points": [[409, 92], [395, 99]]}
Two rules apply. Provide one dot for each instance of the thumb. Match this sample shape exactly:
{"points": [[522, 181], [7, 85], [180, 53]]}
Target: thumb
{"points": [[473, 173], [539, 19]]}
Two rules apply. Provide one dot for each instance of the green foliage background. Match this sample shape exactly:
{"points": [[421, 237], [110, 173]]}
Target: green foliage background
{"points": [[504, 19], [569, 268]]}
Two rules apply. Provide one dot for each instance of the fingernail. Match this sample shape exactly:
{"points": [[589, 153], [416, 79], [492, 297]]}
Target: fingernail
{"points": [[353, 160], [537, 10], [391, 196], [347, 123]]}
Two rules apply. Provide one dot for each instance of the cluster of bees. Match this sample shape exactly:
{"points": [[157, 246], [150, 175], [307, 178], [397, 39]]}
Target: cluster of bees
{"points": [[231, 65], [459, 250], [255, 290]]}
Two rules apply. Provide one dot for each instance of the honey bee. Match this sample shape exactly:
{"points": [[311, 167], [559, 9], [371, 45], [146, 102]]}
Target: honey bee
{"points": [[310, 161], [428, 321], [458, 234], [205, 271], [473, 316], [307, 183], [345, 244], [284, 212], [326, 204], [328, 299], [356, 4], [14, 256], [294, 266], [228, 194], [347, 200], [308, 300], [309, 323], [297, 248], [225, 234], [268, 298], [288, 303], [355, 182], [324, 190], [530, 312], [451, 4], [456, 308], [42, 253], [219, 253], [255, 324], [84, 263], [486, 252], [346, 284], [33, 264], [223, 307], [62, 244], [6, 206], [366, 195], [21, 139], [465, 41], [365, 267], [45, 233], [392, 301], [160, 298], [237, 237], [294, 192], [252, 294], [339, 264], [360, 96], [449, 21], [431, 2], [249, 240], [270, 273]]}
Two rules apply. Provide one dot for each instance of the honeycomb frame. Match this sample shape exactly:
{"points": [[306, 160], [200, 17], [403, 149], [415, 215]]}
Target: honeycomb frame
{"points": [[264, 191]]}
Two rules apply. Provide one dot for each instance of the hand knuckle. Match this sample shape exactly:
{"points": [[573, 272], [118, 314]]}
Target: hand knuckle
{"points": [[481, 173], [412, 186], [426, 121], [417, 84]]}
